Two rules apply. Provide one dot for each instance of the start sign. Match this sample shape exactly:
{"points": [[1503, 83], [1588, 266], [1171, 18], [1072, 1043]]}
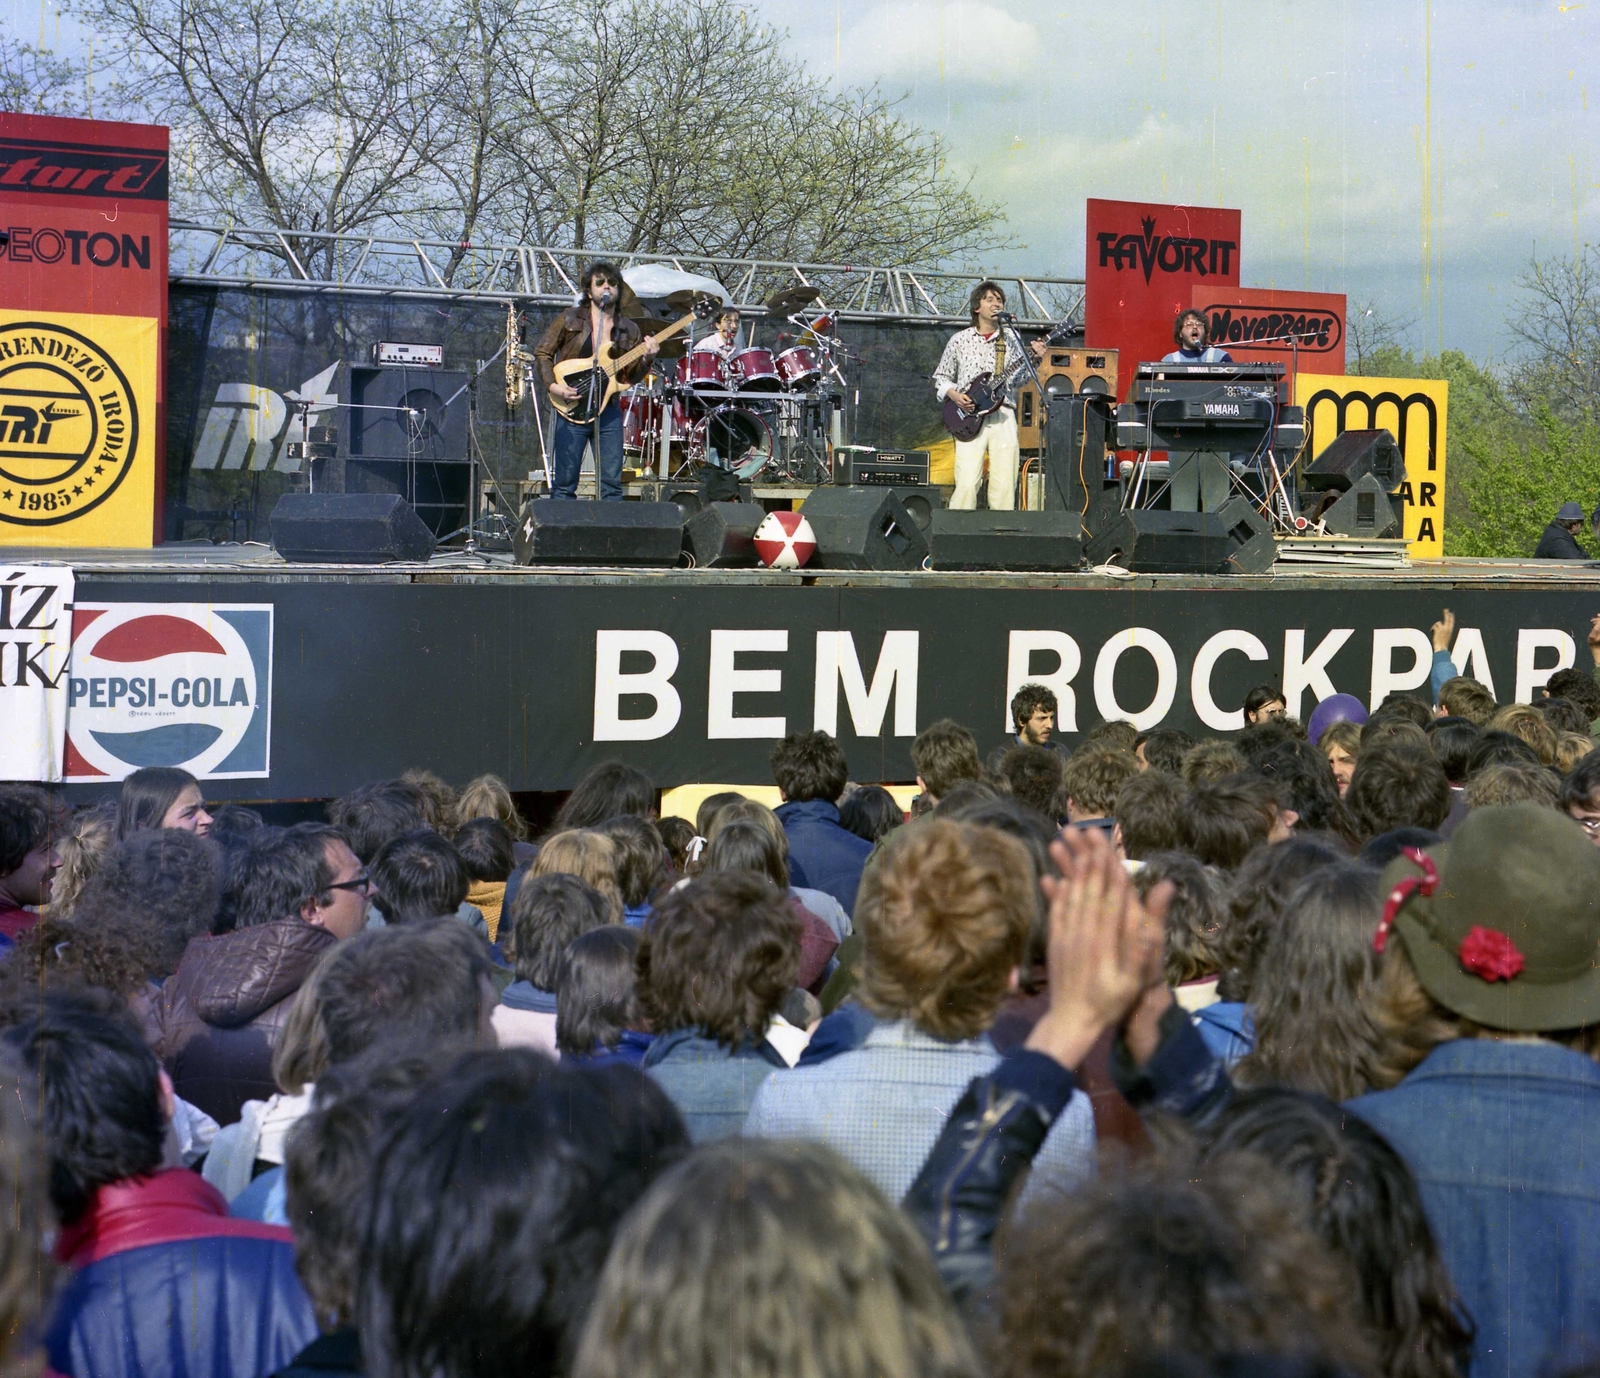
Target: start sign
{"points": [[83, 282]]}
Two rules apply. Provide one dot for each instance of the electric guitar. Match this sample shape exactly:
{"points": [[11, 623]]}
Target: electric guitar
{"points": [[596, 378], [964, 423]]}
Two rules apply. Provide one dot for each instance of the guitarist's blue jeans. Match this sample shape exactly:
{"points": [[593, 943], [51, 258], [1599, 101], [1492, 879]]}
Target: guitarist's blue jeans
{"points": [[570, 443]]}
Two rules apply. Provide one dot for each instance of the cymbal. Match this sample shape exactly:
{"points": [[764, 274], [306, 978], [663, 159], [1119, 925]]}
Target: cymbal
{"points": [[685, 297], [791, 299], [674, 348]]}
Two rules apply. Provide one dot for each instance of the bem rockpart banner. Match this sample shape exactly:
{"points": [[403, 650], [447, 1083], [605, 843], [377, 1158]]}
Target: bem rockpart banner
{"points": [[1142, 264], [693, 677], [1303, 331], [35, 621], [83, 315]]}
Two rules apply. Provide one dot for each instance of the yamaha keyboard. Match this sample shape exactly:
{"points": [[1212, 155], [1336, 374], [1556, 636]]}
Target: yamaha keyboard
{"points": [[1233, 406]]}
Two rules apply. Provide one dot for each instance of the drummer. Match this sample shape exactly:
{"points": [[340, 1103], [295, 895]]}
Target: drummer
{"points": [[724, 340]]}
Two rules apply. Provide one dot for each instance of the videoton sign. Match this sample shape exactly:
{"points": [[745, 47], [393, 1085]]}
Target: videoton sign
{"points": [[83, 311]]}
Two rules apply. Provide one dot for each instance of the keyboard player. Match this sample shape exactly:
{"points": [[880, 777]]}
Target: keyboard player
{"points": [[1199, 481]]}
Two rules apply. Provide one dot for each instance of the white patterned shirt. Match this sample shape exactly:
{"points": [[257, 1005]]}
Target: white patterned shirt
{"points": [[966, 355]]}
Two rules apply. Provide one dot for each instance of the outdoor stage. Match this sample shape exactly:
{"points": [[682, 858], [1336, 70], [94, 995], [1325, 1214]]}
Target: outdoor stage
{"points": [[465, 665]]}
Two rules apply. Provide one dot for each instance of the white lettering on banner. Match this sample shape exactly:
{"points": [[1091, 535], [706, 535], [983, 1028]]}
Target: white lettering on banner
{"points": [[1300, 674], [1069, 660], [1385, 678], [1205, 707], [1470, 657], [1532, 640], [1105, 673], [35, 639], [610, 684], [895, 672], [726, 679]]}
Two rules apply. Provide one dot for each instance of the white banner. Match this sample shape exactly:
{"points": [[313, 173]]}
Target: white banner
{"points": [[35, 641]]}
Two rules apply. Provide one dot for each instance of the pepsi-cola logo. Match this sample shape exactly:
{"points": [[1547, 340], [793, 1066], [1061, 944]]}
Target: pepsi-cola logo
{"points": [[169, 684]]}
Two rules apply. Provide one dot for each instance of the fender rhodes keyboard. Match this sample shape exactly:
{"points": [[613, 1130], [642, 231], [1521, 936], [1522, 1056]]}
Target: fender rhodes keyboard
{"points": [[855, 466]]}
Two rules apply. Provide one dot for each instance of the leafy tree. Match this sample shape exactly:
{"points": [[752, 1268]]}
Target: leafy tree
{"points": [[1513, 490]]}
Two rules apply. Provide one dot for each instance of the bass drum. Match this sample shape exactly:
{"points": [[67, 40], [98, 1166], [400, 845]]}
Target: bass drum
{"points": [[641, 421], [733, 438], [799, 369]]}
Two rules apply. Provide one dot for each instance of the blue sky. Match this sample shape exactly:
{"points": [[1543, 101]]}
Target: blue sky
{"points": [[1409, 154]]}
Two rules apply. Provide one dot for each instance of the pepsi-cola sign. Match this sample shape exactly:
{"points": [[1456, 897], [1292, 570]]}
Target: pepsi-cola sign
{"points": [[170, 684]]}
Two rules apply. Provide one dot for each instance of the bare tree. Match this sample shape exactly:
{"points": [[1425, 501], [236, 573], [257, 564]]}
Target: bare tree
{"points": [[1558, 327], [1371, 335], [37, 82]]}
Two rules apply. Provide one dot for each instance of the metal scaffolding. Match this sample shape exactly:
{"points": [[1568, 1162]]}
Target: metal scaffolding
{"points": [[309, 261]]}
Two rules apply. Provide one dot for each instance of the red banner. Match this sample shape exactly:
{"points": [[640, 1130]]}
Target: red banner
{"points": [[1303, 330], [83, 288], [1142, 265]]}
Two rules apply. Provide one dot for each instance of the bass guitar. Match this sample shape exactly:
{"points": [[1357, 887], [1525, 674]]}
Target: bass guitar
{"points": [[596, 378], [987, 395]]}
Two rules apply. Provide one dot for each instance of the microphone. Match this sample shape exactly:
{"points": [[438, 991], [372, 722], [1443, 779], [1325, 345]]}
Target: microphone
{"points": [[605, 297], [1006, 318]]}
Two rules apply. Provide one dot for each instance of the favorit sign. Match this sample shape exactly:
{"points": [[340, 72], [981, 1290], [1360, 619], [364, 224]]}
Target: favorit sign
{"points": [[169, 684]]}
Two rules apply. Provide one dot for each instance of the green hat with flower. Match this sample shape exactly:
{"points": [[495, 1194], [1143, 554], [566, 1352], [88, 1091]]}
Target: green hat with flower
{"points": [[1502, 923]]}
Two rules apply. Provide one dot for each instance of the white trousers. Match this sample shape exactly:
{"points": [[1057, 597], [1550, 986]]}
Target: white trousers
{"points": [[997, 440]]}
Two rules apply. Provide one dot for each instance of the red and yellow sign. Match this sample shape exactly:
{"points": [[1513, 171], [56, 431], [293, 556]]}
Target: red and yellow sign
{"points": [[1414, 410], [83, 280]]}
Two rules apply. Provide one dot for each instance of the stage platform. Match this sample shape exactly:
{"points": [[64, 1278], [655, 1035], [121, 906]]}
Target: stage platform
{"points": [[345, 673]]}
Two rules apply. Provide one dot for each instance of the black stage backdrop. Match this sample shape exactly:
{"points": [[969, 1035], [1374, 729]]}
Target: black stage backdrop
{"points": [[238, 360], [693, 677]]}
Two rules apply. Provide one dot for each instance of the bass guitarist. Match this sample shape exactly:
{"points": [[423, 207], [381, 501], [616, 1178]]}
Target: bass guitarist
{"points": [[590, 329], [980, 349]]}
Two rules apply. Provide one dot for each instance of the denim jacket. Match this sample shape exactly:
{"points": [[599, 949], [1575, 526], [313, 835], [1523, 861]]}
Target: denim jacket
{"points": [[712, 1085], [1504, 1141]]}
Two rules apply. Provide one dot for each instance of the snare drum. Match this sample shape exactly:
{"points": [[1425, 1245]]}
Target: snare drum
{"points": [[798, 367], [703, 369], [753, 370], [641, 421]]}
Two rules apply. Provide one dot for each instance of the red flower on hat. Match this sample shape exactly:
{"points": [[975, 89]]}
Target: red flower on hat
{"points": [[1488, 953]]}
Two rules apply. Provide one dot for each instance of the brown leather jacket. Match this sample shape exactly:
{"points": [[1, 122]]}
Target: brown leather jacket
{"points": [[217, 1017], [568, 338]]}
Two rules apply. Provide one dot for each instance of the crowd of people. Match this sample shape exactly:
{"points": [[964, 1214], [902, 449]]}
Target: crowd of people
{"points": [[1269, 1055]]}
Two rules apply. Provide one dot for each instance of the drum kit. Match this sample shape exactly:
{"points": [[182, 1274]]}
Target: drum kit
{"points": [[749, 410]]}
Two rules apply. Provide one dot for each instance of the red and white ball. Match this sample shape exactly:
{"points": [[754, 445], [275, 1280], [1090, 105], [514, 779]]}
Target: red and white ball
{"points": [[784, 540]]}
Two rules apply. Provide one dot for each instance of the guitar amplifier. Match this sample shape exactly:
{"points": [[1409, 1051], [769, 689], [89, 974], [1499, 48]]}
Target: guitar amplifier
{"points": [[1064, 372], [856, 465]]}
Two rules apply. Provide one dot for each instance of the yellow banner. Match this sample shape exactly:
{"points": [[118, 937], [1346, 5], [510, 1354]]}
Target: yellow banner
{"points": [[77, 429], [1414, 410]]}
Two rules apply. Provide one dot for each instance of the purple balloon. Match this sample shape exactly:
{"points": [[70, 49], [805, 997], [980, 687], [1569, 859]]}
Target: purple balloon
{"points": [[1334, 708]]}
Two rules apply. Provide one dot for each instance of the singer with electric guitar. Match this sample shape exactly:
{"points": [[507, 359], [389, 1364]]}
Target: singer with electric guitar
{"points": [[592, 332], [984, 426]]}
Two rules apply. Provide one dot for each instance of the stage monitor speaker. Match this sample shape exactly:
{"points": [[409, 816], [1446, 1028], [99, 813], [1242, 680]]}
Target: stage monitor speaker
{"points": [[920, 504], [1064, 372], [1365, 512], [554, 532], [864, 528], [1007, 540], [1255, 549], [348, 528], [1151, 541], [1075, 452], [1350, 455], [722, 535]]}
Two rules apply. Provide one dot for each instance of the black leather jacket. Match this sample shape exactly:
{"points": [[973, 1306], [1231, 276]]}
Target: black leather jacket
{"points": [[988, 1143]]}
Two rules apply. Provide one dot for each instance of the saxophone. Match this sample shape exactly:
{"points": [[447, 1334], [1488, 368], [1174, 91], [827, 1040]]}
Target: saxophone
{"points": [[518, 359]]}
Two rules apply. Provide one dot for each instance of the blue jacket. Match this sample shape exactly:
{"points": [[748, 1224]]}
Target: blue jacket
{"points": [[1228, 1028], [830, 857], [711, 1085], [1501, 1138], [166, 1285], [629, 1052]]}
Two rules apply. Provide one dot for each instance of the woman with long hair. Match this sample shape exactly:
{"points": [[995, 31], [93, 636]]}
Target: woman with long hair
{"points": [[161, 797]]}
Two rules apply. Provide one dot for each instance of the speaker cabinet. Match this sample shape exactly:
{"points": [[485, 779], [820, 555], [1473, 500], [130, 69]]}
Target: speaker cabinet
{"points": [[348, 528], [722, 534], [864, 528], [553, 532], [1352, 454], [1076, 439], [1148, 541], [1064, 373], [1007, 541], [1255, 549], [1366, 511], [407, 434]]}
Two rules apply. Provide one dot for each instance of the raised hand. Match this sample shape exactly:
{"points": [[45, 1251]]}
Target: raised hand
{"points": [[1105, 945], [1444, 631]]}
